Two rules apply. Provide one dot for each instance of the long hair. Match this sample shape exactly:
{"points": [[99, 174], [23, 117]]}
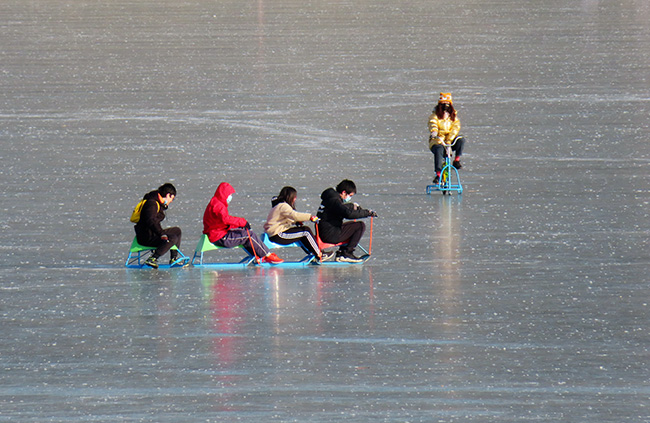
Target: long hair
{"points": [[287, 195], [441, 108]]}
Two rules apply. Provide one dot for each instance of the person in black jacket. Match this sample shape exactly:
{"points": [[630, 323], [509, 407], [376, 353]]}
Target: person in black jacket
{"points": [[335, 207], [148, 230]]}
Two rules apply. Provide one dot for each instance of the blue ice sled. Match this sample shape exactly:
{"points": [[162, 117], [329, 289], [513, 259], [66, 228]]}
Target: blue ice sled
{"points": [[449, 178], [204, 245]]}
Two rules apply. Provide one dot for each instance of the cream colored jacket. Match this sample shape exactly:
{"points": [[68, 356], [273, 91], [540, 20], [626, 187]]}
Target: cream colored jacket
{"points": [[442, 130], [282, 217]]}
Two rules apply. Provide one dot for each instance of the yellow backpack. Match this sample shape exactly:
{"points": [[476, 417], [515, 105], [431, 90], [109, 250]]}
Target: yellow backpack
{"points": [[135, 216]]}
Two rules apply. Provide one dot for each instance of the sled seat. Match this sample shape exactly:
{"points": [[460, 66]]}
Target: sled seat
{"points": [[205, 245], [323, 245], [139, 253], [271, 245]]}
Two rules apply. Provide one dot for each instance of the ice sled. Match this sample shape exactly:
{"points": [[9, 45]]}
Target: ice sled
{"points": [[138, 254], [204, 245], [324, 246], [306, 260], [449, 178], [449, 181]]}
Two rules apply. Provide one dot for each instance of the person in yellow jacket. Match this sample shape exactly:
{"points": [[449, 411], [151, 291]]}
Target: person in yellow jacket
{"points": [[284, 224], [444, 127]]}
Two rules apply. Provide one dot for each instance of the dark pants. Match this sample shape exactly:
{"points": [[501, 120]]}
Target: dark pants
{"points": [[439, 153], [240, 236], [174, 235], [350, 232], [299, 233]]}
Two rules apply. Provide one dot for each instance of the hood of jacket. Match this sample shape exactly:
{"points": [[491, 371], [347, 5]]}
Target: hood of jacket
{"points": [[223, 191], [330, 201], [330, 194], [153, 195]]}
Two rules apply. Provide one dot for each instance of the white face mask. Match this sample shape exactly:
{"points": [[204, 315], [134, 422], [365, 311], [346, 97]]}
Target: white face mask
{"points": [[229, 199], [347, 199]]}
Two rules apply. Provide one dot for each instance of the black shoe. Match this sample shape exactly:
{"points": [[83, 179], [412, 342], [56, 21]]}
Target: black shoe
{"points": [[348, 258], [152, 261], [436, 180], [457, 164]]}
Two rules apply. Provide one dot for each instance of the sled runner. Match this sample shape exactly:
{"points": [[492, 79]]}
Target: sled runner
{"points": [[449, 178], [138, 254]]}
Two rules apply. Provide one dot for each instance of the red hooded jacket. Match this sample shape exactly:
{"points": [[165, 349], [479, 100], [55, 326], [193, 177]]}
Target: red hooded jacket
{"points": [[216, 219]]}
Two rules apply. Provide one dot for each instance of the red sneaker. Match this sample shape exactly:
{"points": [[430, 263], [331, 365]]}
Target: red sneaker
{"points": [[273, 259]]}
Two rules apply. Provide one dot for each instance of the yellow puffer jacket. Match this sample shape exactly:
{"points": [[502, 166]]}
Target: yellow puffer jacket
{"points": [[442, 130]]}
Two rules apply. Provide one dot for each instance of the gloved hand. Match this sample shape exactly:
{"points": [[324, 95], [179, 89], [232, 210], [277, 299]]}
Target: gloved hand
{"points": [[372, 213], [314, 219], [247, 225]]}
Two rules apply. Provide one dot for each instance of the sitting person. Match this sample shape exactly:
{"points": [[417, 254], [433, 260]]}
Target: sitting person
{"points": [[444, 127], [284, 224], [229, 231], [335, 207], [148, 230]]}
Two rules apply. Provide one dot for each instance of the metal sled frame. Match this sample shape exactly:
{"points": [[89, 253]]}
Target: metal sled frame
{"points": [[305, 261], [324, 245], [449, 178], [138, 254]]}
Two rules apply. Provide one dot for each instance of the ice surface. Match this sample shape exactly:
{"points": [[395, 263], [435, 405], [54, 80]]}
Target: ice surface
{"points": [[525, 299]]}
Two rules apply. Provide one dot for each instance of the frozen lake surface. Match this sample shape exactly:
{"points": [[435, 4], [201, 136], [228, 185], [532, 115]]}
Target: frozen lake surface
{"points": [[524, 299]]}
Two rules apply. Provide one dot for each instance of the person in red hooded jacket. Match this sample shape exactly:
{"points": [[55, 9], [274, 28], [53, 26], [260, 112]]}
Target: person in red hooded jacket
{"points": [[229, 231]]}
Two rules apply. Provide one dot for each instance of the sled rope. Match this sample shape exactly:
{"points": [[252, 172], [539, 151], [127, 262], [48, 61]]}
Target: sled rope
{"points": [[370, 243], [257, 260]]}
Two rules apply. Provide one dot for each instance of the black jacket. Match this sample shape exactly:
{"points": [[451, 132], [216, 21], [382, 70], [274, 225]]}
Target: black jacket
{"points": [[148, 229], [333, 210]]}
